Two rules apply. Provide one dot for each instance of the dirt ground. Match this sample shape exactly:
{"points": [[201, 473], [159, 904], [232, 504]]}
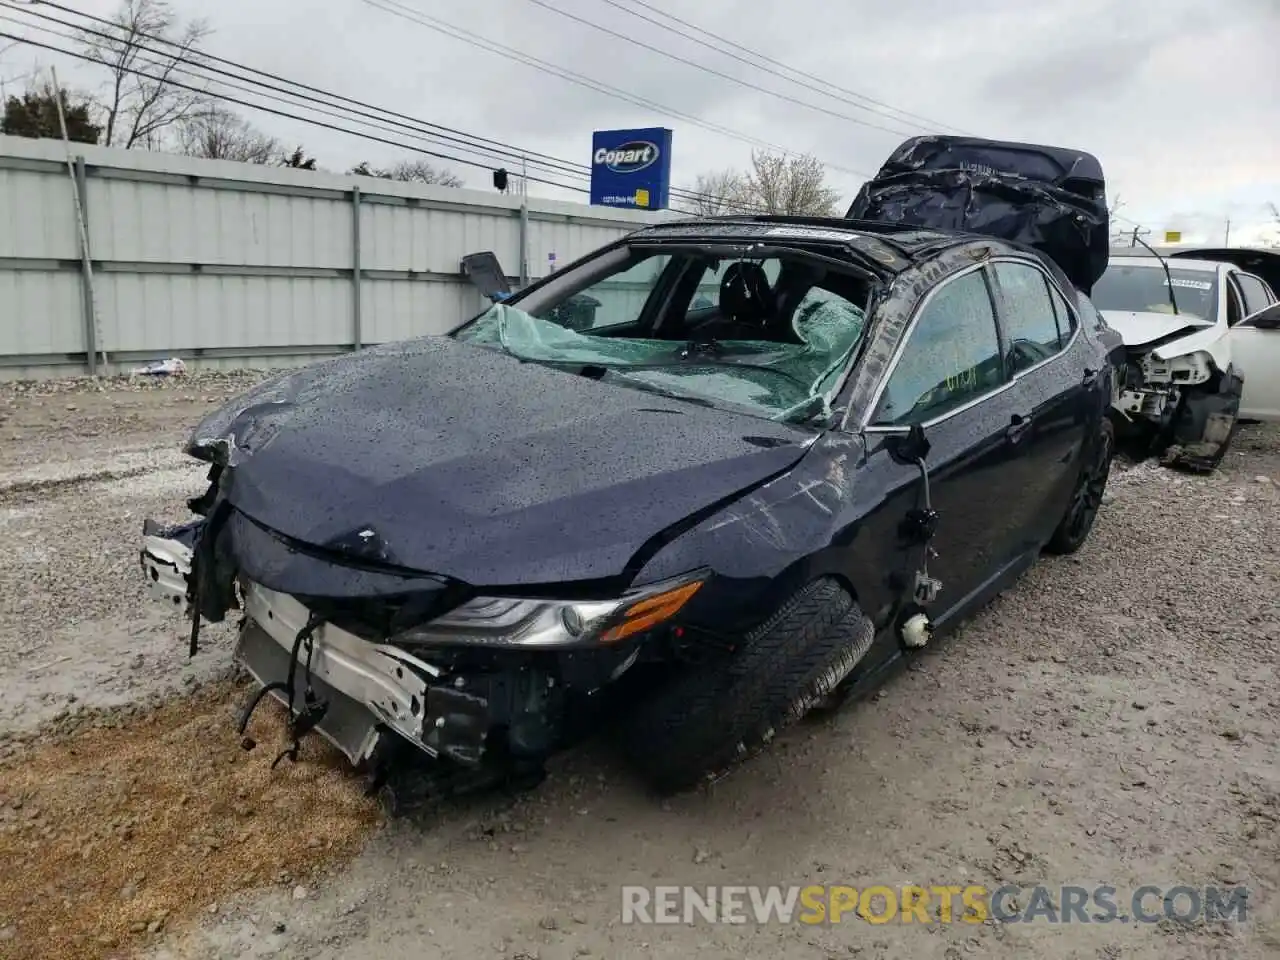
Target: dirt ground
{"points": [[1112, 719]]}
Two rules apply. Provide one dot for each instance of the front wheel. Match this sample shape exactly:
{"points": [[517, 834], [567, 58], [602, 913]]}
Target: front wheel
{"points": [[712, 715], [1086, 498]]}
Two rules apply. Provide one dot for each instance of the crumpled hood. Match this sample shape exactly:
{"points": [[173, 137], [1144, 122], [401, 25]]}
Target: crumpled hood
{"points": [[458, 460], [1139, 328]]}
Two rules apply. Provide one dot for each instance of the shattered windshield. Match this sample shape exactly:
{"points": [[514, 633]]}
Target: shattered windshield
{"points": [[771, 338], [1143, 288]]}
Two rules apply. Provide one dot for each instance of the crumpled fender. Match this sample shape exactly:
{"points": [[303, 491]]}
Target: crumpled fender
{"points": [[1212, 340]]}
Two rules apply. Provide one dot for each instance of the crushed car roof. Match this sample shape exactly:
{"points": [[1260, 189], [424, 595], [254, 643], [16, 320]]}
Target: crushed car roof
{"points": [[895, 246], [1050, 198]]}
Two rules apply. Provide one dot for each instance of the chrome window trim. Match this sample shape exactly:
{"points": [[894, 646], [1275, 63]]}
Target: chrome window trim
{"points": [[866, 425]]}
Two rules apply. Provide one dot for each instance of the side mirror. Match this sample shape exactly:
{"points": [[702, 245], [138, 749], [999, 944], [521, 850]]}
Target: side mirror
{"points": [[1268, 318], [486, 275], [910, 447]]}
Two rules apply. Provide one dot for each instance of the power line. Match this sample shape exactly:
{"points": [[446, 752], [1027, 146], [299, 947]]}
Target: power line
{"points": [[826, 87], [457, 33], [279, 113], [272, 76], [714, 72], [567, 168], [465, 141], [191, 71], [550, 163]]}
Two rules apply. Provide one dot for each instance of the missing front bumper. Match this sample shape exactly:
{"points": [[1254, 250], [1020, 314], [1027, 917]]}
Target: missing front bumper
{"points": [[369, 689]]}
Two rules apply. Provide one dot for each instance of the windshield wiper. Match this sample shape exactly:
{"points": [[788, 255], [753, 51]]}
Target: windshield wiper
{"points": [[1173, 297]]}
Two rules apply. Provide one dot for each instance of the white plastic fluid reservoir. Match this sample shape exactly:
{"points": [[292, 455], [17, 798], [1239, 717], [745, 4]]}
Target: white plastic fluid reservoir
{"points": [[917, 631]]}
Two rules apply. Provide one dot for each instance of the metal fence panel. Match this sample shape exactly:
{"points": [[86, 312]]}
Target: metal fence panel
{"points": [[228, 264]]}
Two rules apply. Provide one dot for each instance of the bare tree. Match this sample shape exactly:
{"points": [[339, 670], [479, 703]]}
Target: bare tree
{"points": [[410, 171], [142, 105], [719, 193], [789, 185], [215, 133], [25, 79], [1116, 204]]}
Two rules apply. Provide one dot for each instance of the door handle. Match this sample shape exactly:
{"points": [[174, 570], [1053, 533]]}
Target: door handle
{"points": [[1090, 377], [1019, 424]]}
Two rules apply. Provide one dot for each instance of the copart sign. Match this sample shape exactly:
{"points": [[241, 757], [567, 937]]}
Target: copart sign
{"points": [[631, 168]]}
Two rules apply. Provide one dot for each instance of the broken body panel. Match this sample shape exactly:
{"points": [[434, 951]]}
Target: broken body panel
{"points": [[1182, 386]]}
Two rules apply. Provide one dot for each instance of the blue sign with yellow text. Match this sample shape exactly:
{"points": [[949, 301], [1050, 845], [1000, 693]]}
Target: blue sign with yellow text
{"points": [[631, 168]]}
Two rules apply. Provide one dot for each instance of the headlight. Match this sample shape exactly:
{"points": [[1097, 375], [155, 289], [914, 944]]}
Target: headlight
{"points": [[552, 624]]}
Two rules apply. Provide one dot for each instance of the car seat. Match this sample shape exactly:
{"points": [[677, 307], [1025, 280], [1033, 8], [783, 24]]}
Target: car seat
{"points": [[746, 303]]}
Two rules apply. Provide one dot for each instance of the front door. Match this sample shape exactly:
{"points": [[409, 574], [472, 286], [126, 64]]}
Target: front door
{"points": [[1255, 351], [950, 378]]}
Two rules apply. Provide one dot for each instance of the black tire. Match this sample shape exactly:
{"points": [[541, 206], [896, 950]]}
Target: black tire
{"points": [[715, 714], [1086, 497]]}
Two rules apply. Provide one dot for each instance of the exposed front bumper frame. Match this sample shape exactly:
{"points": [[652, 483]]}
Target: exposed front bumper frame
{"points": [[167, 565], [389, 683], [378, 686]]}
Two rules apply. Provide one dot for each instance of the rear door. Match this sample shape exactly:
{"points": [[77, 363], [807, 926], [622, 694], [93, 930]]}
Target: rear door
{"points": [[1053, 369], [1255, 350]]}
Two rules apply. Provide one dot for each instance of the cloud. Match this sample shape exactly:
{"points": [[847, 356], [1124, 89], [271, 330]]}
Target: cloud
{"points": [[1172, 95]]}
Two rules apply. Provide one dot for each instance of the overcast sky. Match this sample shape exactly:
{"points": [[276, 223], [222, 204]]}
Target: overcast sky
{"points": [[1178, 98]]}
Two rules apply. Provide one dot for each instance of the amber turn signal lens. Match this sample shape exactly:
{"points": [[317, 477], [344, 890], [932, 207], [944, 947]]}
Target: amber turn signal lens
{"points": [[650, 612]]}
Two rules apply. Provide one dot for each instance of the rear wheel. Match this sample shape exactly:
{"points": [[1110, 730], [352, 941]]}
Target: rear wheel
{"points": [[715, 714], [1086, 498]]}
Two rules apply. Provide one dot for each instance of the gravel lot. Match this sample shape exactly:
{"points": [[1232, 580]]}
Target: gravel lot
{"points": [[1112, 719]]}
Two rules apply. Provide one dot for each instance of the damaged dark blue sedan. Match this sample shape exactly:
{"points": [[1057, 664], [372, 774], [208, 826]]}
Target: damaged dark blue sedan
{"points": [[695, 484]]}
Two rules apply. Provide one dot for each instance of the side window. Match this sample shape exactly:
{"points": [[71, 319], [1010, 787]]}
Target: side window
{"points": [[1066, 318], [1235, 302], [1028, 315], [1255, 293], [616, 300], [951, 357]]}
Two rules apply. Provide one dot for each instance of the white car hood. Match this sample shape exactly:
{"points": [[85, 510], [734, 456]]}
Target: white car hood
{"points": [[1136, 329]]}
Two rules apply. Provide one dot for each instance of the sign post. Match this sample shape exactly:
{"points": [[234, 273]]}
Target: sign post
{"points": [[631, 168]]}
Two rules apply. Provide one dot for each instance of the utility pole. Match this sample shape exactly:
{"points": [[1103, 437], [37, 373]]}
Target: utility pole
{"points": [[1226, 240], [1138, 231], [524, 221], [93, 329]]}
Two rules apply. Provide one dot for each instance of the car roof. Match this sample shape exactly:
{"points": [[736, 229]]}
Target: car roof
{"points": [[903, 244]]}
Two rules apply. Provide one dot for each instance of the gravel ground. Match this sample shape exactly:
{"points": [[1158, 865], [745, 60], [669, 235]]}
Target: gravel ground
{"points": [[83, 465], [1112, 719]]}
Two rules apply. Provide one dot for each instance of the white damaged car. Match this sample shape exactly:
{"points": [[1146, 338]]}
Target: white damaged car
{"points": [[1202, 338]]}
